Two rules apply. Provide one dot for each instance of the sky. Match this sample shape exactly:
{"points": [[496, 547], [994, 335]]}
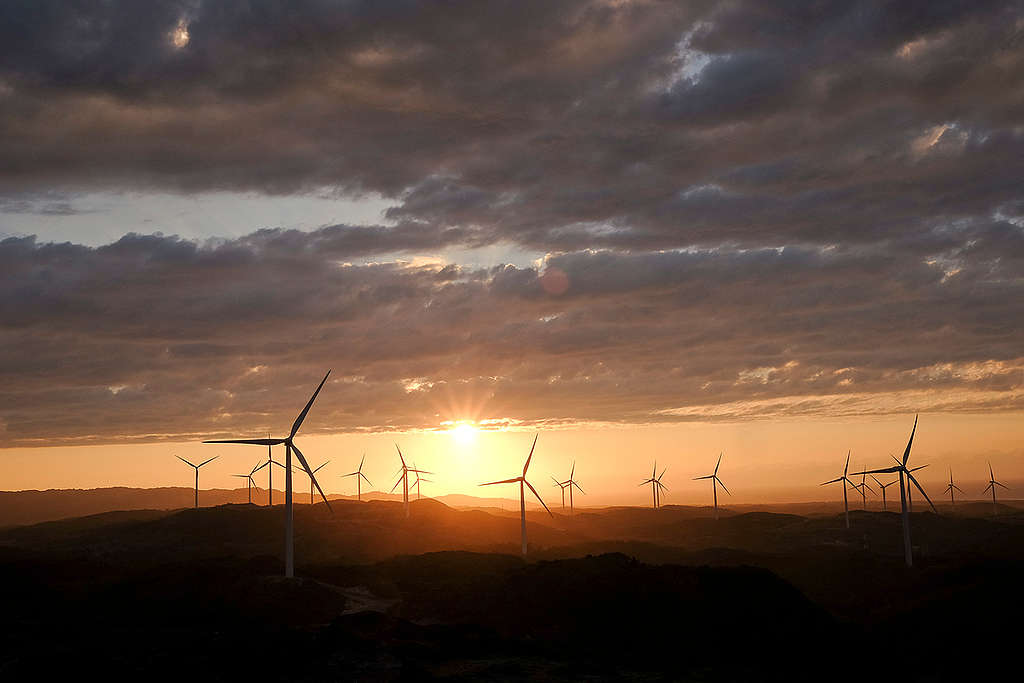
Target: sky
{"points": [[643, 229]]}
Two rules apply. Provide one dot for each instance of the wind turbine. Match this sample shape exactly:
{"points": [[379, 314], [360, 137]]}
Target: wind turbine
{"points": [[403, 479], [901, 469], [250, 483], [952, 487], [992, 484], [910, 499], [289, 446], [320, 467], [846, 482], [358, 474], [197, 471], [568, 484], [561, 485], [883, 487], [522, 492], [656, 485], [862, 487], [715, 482], [417, 482]]}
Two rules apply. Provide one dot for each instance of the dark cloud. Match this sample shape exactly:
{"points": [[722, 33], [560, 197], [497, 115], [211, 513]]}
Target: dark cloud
{"points": [[163, 337], [748, 201]]}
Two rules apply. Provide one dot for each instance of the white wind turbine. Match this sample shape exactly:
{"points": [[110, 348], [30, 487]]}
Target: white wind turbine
{"points": [[250, 483], [521, 480], [656, 485], [196, 467], [952, 487], [883, 487], [846, 482], [715, 481], [568, 484], [289, 446], [270, 473], [902, 470], [317, 469], [992, 484], [358, 474], [403, 479]]}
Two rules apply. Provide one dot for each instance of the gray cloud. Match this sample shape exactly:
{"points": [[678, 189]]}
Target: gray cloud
{"points": [[157, 336], [747, 201]]}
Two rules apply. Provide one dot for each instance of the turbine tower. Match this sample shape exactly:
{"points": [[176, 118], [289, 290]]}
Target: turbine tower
{"points": [[952, 487], [289, 446], [403, 479], [250, 483], [417, 482], [656, 485], [846, 482], [320, 467], [883, 487], [992, 484], [902, 470], [715, 483], [863, 487], [197, 471], [358, 474], [561, 485], [521, 480], [569, 484]]}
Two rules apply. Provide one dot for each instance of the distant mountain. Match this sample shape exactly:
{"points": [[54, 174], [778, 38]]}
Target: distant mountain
{"points": [[31, 507]]}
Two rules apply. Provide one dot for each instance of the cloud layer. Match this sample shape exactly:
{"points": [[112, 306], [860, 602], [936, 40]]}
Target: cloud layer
{"points": [[746, 207]]}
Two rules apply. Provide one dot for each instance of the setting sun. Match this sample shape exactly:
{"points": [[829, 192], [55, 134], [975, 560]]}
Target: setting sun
{"points": [[463, 432]]}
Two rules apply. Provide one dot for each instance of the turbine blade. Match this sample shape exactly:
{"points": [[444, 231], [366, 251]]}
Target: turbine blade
{"points": [[364, 477], [719, 461], [530, 456], [305, 464], [572, 483], [302, 415], [572, 472], [503, 481], [321, 467], [184, 460], [884, 470], [557, 483], [265, 464], [400, 457], [1005, 487], [824, 483], [957, 488], [661, 486], [914, 481], [847, 466], [985, 490], [396, 484], [254, 442], [707, 477], [722, 485], [360, 468], [538, 497], [206, 461], [906, 453], [876, 480]]}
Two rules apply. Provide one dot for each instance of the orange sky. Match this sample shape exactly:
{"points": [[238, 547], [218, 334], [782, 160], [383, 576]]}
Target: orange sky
{"points": [[765, 461]]}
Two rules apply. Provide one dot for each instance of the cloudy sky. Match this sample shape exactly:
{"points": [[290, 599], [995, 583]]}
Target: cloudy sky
{"points": [[641, 218]]}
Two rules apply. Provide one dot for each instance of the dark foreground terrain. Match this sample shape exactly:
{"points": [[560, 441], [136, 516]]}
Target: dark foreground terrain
{"points": [[613, 594]]}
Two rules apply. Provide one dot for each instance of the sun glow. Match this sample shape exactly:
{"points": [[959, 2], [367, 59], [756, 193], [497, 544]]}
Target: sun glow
{"points": [[464, 433]]}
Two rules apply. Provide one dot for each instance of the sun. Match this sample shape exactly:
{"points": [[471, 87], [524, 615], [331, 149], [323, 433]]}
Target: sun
{"points": [[464, 433]]}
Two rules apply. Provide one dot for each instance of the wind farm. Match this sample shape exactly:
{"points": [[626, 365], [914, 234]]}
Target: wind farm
{"points": [[245, 245]]}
